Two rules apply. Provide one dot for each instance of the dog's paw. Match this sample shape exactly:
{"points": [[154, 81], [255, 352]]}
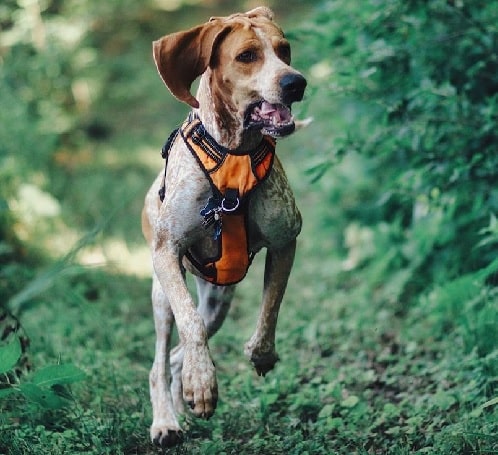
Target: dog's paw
{"points": [[263, 357], [200, 389], [166, 436]]}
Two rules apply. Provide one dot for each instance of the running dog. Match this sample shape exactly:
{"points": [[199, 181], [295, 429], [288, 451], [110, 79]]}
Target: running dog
{"points": [[221, 198]]}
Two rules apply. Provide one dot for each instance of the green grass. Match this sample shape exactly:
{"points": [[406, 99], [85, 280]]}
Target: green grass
{"points": [[353, 378], [373, 360]]}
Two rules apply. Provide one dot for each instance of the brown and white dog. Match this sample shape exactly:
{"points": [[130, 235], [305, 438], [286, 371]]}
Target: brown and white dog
{"points": [[245, 92]]}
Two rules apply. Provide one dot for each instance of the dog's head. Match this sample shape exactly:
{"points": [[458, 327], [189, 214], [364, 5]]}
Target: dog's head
{"points": [[251, 81]]}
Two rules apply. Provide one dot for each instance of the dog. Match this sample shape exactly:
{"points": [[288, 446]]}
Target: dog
{"points": [[242, 106]]}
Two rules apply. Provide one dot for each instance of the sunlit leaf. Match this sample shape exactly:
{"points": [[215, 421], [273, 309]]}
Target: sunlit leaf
{"points": [[9, 354], [326, 411], [57, 374], [350, 402], [490, 403]]}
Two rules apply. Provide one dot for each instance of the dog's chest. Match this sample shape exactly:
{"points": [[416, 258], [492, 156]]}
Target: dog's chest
{"points": [[272, 217], [230, 206]]}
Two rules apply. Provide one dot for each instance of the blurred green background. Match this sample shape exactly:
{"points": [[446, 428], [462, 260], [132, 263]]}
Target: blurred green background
{"points": [[388, 334]]}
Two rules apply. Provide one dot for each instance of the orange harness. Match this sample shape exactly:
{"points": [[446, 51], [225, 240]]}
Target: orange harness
{"points": [[232, 177]]}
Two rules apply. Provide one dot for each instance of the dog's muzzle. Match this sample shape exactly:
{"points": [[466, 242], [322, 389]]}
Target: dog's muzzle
{"points": [[276, 120]]}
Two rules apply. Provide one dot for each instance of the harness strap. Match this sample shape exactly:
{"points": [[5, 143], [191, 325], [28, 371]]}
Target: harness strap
{"points": [[231, 263], [232, 176], [165, 154], [223, 167]]}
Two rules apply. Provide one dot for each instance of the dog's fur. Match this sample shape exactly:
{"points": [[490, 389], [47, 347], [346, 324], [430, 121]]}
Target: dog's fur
{"points": [[243, 59]]}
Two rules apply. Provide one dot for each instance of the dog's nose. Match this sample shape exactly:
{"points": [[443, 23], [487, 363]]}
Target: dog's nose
{"points": [[292, 85]]}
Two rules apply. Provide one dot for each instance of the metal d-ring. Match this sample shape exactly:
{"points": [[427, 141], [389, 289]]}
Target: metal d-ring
{"points": [[232, 209]]}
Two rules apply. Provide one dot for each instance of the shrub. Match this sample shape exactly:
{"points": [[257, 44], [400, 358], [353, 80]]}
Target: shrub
{"points": [[413, 88]]}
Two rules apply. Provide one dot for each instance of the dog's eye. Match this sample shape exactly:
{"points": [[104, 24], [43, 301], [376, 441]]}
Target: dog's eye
{"points": [[247, 56], [284, 53]]}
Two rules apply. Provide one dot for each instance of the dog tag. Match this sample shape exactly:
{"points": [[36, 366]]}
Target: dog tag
{"points": [[217, 226], [211, 205], [212, 216]]}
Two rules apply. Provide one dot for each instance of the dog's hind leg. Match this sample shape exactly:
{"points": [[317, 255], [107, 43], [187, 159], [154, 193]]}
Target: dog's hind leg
{"points": [[165, 430], [214, 303]]}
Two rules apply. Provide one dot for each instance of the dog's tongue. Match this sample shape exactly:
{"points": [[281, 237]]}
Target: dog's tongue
{"points": [[279, 112]]}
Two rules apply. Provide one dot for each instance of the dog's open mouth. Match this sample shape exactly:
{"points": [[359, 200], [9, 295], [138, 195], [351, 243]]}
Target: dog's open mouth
{"points": [[273, 120]]}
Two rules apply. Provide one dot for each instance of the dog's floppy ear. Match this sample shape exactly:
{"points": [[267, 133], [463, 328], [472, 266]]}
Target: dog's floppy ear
{"points": [[183, 56]]}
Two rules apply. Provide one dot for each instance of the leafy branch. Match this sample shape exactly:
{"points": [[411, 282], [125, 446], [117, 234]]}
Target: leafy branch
{"points": [[46, 386]]}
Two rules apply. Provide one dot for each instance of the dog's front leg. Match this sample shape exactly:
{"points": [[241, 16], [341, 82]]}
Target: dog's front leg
{"points": [[261, 347], [165, 430], [200, 389], [214, 302]]}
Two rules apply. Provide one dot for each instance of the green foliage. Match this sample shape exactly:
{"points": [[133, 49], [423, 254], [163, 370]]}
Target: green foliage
{"points": [[9, 354], [413, 87], [409, 92], [387, 335], [53, 74], [424, 115], [45, 387]]}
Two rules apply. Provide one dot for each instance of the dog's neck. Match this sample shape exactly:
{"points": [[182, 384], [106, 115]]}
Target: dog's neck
{"points": [[223, 123]]}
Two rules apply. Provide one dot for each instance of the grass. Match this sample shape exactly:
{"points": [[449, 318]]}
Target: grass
{"points": [[349, 382], [363, 369]]}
